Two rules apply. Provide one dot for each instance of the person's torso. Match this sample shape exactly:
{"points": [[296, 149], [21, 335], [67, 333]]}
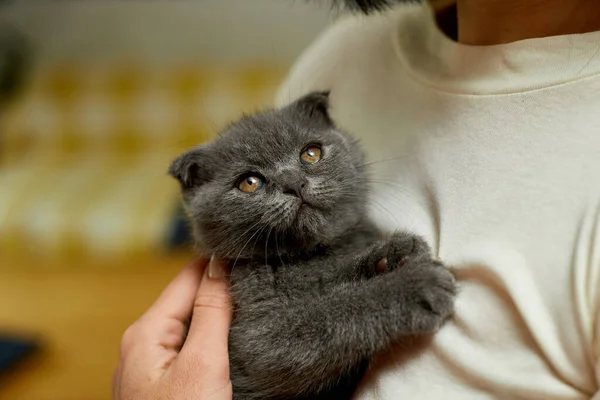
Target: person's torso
{"points": [[505, 186]]}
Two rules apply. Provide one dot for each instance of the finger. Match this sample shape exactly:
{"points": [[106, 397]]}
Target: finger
{"points": [[177, 299], [150, 345], [206, 344]]}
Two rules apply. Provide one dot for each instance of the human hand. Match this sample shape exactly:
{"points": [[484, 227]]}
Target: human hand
{"points": [[158, 362]]}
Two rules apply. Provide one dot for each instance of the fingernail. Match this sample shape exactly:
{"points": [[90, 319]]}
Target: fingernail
{"points": [[216, 268]]}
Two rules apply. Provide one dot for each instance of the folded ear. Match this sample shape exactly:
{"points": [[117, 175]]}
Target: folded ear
{"points": [[314, 106], [192, 169]]}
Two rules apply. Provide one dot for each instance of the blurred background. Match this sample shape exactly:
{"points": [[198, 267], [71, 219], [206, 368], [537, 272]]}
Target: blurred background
{"points": [[96, 98]]}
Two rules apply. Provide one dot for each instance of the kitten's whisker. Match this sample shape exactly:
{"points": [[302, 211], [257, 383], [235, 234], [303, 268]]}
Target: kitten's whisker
{"points": [[381, 206], [398, 199], [277, 248], [233, 246], [403, 190], [266, 246], [337, 192], [256, 240], [263, 219], [409, 216], [392, 184], [257, 234], [385, 160], [248, 241], [251, 227]]}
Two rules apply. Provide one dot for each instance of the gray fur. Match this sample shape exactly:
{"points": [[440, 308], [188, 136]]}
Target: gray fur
{"points": [[311, 306]]}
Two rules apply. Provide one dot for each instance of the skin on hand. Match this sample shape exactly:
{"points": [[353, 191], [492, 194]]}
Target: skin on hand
{"points": [[156, 363]]}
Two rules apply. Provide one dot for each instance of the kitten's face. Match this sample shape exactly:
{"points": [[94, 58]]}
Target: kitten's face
{"points": [[277, 182]]}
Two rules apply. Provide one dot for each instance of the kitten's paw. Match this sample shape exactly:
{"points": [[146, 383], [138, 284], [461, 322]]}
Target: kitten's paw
{"points": [[429, 290], [398, 251]]}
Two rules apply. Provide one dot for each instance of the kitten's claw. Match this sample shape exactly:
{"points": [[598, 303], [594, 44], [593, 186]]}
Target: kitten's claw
{"points": [[400, 249], [382, 265]]}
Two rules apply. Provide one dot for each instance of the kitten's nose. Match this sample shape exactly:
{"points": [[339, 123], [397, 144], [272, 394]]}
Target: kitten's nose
{"points": [[294, 188]]}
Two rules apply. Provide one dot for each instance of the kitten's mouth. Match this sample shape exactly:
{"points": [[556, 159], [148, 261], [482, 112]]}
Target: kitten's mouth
{"points": [[307, 204], [303, 207]]}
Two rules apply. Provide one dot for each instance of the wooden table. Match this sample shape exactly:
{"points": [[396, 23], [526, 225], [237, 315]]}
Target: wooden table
{"points": [[80, 312]]}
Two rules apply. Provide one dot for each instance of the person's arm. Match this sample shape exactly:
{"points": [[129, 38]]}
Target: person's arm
{"points": [[158, 362]]}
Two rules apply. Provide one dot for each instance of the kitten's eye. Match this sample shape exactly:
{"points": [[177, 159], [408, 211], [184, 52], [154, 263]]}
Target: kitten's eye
{"points": [[310, 154], [250, 184]]}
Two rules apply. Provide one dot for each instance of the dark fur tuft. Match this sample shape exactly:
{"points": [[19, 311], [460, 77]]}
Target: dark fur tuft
{"points": [[369, 6]]}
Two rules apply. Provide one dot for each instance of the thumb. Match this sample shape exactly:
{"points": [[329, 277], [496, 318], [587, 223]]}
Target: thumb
{"points": [[206, 345]]}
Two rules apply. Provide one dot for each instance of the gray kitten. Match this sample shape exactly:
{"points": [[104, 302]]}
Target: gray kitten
{"points": [[317, 289]]}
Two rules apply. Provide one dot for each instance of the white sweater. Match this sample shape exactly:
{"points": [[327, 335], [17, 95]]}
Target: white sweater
{"points": [[493, 155]]}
